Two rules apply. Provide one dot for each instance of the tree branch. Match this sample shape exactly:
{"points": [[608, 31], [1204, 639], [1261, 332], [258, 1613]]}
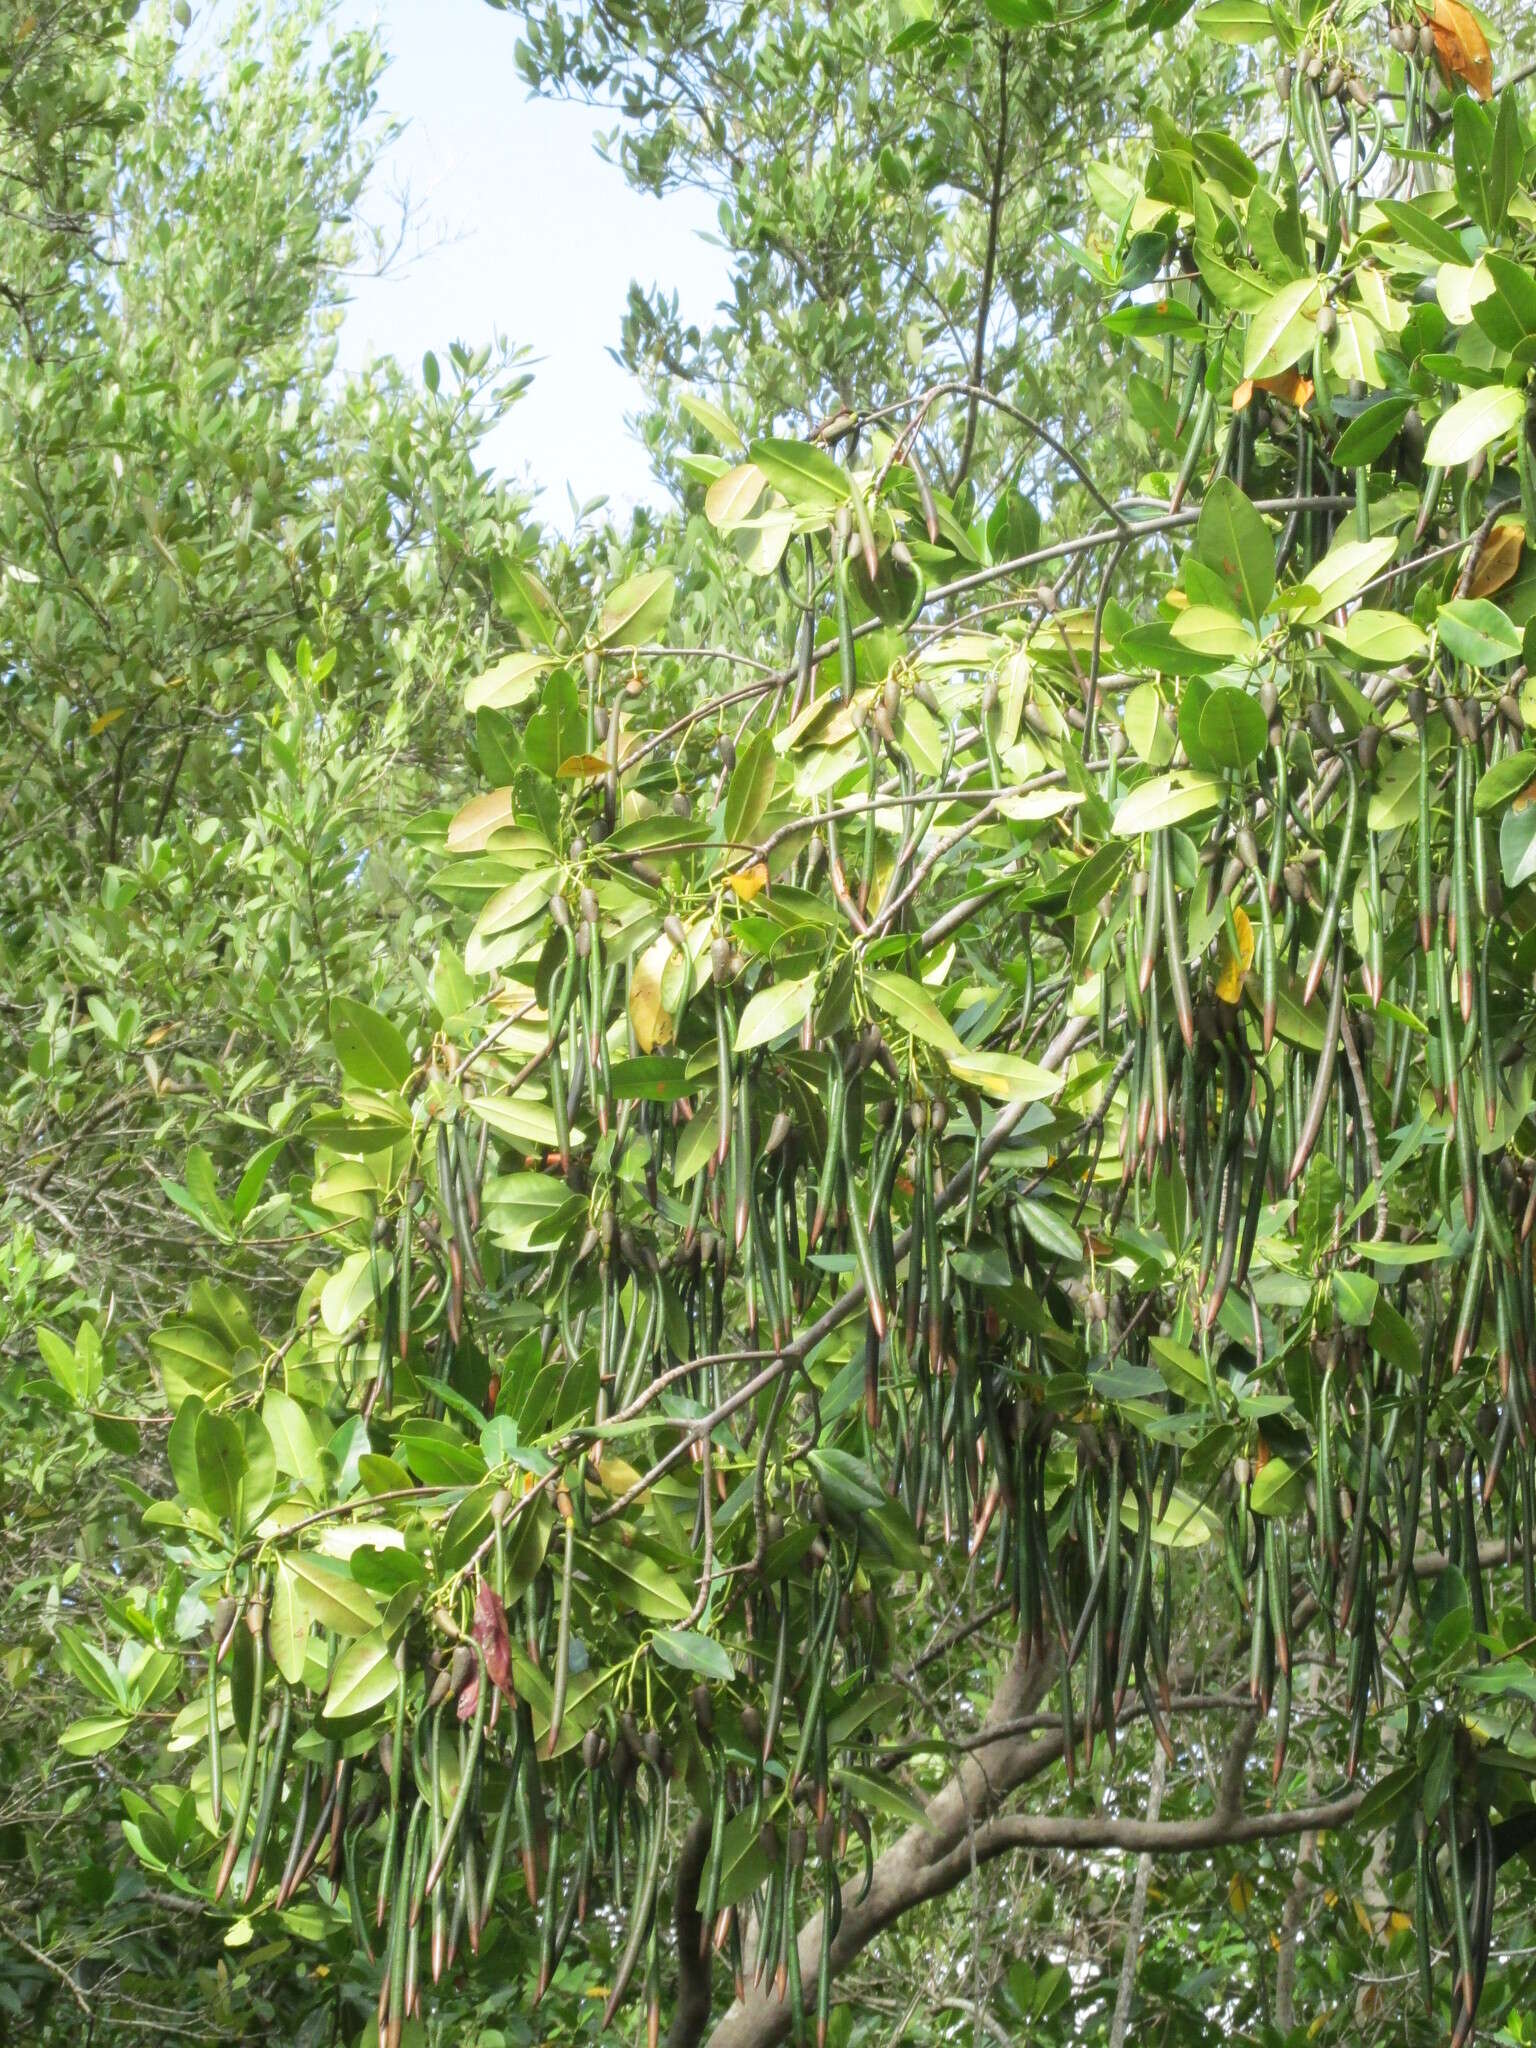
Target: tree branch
{"points": [[690, 2015], [988, 267], [1132, 1952], [964, 1828]]}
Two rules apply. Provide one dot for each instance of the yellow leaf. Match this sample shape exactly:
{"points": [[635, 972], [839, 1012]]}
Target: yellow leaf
{"points": [[473, 824], [616, 1476], [1242, 397], [1364, 1918], [1462, 48], [1240, 1893], [648, 1013], [1289, 386], [1229, 978], [1500, 558], [749, 881], [99, 725], [581, 767]]}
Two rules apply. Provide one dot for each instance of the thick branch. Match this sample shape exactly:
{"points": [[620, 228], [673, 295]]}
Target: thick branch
{"points": [[690, 2015], [965, 1828]]}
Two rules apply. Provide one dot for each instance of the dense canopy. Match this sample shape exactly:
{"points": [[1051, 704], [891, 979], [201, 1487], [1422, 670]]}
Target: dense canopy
{"points": [[770, 1275]]}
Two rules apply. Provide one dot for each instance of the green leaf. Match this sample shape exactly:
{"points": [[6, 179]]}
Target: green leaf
{"points": [[95, 1735], [773, 1011], [687, 1650], [1472, 423], [647, 1077], [288, 1620], [1342, 574], [181, 1452], [371, 1050], [748, 793], [1209, 630], [1505, 780], [347, 1295], [1371, 432], [1006, 1077], [1471, 153], [1049, 1231], [1166, 800], [364, 1678], [333, 1595], [638, 610], [1393, 1337], [908, 1004], [884, 1795], [1187, 1525], [646, 1587], [1237, 21], [260, 1470], [1145, 726], [220, 1453], [1375, 639], [1181, 1369], [1283, 329], [1278, 1489], [1386, 1800], [1517, 844], [1355, 1296], [847, 1481], [1233, 728], [1018, 14], [1232, 539], [512, 681], [1421, 230], [807, 477], [531, 1123], [293, 1441], [59, 1357], [254, 1179], [714, 419], [1477, 632]]}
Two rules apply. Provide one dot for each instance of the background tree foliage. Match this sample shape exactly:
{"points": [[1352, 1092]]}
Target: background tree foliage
{"points": [[878, 974]]}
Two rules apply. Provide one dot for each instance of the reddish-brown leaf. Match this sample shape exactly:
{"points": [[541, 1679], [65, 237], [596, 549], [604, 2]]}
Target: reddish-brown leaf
{"points": [[490, 1633]]}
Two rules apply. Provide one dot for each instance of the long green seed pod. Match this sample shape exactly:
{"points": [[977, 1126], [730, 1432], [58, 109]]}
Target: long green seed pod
{"points": [[256, 1622]]}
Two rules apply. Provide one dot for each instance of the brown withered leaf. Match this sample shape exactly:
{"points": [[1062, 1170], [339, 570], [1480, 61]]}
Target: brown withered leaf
{"points": [[1500, 558], [1462, 48]]}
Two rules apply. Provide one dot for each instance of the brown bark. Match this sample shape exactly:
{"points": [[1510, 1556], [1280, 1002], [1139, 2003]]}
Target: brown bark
{"points": [[966, 1828]]}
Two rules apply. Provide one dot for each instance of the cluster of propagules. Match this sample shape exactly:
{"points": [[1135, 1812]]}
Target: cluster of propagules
{"points": [[1035, 1103]]}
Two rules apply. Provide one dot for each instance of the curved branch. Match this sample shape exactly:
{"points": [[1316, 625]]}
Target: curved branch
{"points": [[964, 1829], [690, 2015]]}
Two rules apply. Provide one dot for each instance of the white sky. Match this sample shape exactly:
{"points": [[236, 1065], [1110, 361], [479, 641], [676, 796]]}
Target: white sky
{"points": [[525, 233], [520, 230]]}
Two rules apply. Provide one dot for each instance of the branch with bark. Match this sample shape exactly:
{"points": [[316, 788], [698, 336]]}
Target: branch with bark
{"points": [[965, 1827]]}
